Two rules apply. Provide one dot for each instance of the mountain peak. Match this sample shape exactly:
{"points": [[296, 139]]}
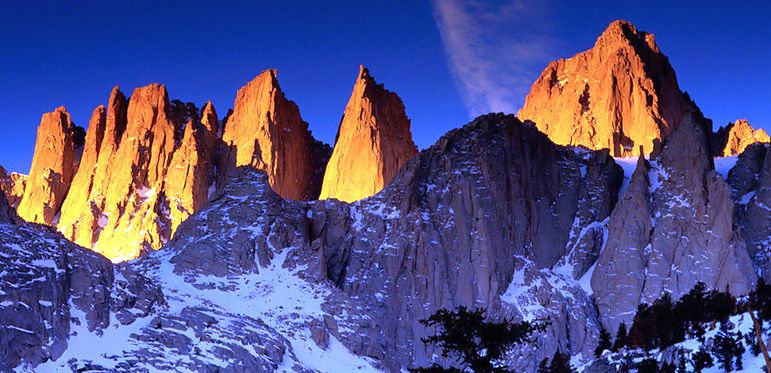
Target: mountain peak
{"points": [[266, 132], [209, 118], [618, 95], [53, 166], [624, 31], [735, 137], [268, 77], [373, 142], [364, 73]]}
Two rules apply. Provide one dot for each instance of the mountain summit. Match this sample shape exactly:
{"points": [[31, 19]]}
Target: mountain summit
{"points": [[267, 132], [620, 94], [53, 167], [737, 136], [373, 142]]}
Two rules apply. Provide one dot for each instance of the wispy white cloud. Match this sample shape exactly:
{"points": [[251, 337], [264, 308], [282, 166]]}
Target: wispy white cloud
{"points": [[496, 49]]}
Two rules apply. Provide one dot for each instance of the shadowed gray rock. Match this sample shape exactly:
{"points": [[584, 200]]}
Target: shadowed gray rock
{"points": [[672, 229], [44, 281], [750, 181], [484, 213]]}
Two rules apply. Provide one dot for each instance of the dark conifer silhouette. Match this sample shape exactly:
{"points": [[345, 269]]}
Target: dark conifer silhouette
{"points": [[604, 343], [621, 336], [701, 360], [473, 342]]}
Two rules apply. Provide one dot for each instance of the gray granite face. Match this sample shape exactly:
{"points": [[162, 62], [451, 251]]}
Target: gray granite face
{"points": [[43, 281], [674, 227], [489, 202], [750, 183]]}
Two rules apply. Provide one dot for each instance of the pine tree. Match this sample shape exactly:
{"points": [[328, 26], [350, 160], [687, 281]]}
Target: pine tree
{"points": [[560, 363], [475, 343], [604, 343], [648, 365], [701, 360], [621, 336], [690, 308], [543, 367], [719, 306], [760, 299], [740, 349], [656, 325], [727, 348]]}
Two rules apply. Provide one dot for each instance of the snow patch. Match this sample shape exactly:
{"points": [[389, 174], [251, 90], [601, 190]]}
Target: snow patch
{"points": [[628, 165], [747, 198], [724, 164]]}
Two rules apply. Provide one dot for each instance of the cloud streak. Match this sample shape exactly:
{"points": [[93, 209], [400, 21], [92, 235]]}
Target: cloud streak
{"points": [[495, 49]]}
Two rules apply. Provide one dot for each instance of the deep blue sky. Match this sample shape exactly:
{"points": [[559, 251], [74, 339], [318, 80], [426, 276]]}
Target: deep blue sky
{"points": [[72, 53]]}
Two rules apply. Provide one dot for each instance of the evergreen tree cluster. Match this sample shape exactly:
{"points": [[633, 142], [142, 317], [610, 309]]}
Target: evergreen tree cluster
{"points": [[479, 345], [475, 343], [666, 322], [760, 300], [701, 360], [728, 348], [560, 363]]}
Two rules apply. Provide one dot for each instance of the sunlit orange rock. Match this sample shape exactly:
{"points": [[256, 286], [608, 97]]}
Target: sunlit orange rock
{"points": [[191, 172], [373, 142], [12, 184], [266, 131], [53, 167], [81, 216], [76, 207], [619, 95], [141, 173], [148, 164], [133, 219], [737, 136]]}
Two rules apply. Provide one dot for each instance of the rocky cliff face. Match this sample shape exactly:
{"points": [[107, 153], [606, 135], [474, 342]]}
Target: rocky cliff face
{"points": [[750, 183], [139, 167], [191, 172], [53, 167], [77, 205], [81, 218], [652, 247], [619, 95], [7, 212], [266, 132], [46, 280], [13, 185], [373, 142], [342, 286], [492, 215], [253, 278], [147, 164], [141, 173], [735, 137]]}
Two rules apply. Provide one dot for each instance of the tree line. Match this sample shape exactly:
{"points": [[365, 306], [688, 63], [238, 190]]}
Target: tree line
{"points": [[471, 342], [666, 322]]}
